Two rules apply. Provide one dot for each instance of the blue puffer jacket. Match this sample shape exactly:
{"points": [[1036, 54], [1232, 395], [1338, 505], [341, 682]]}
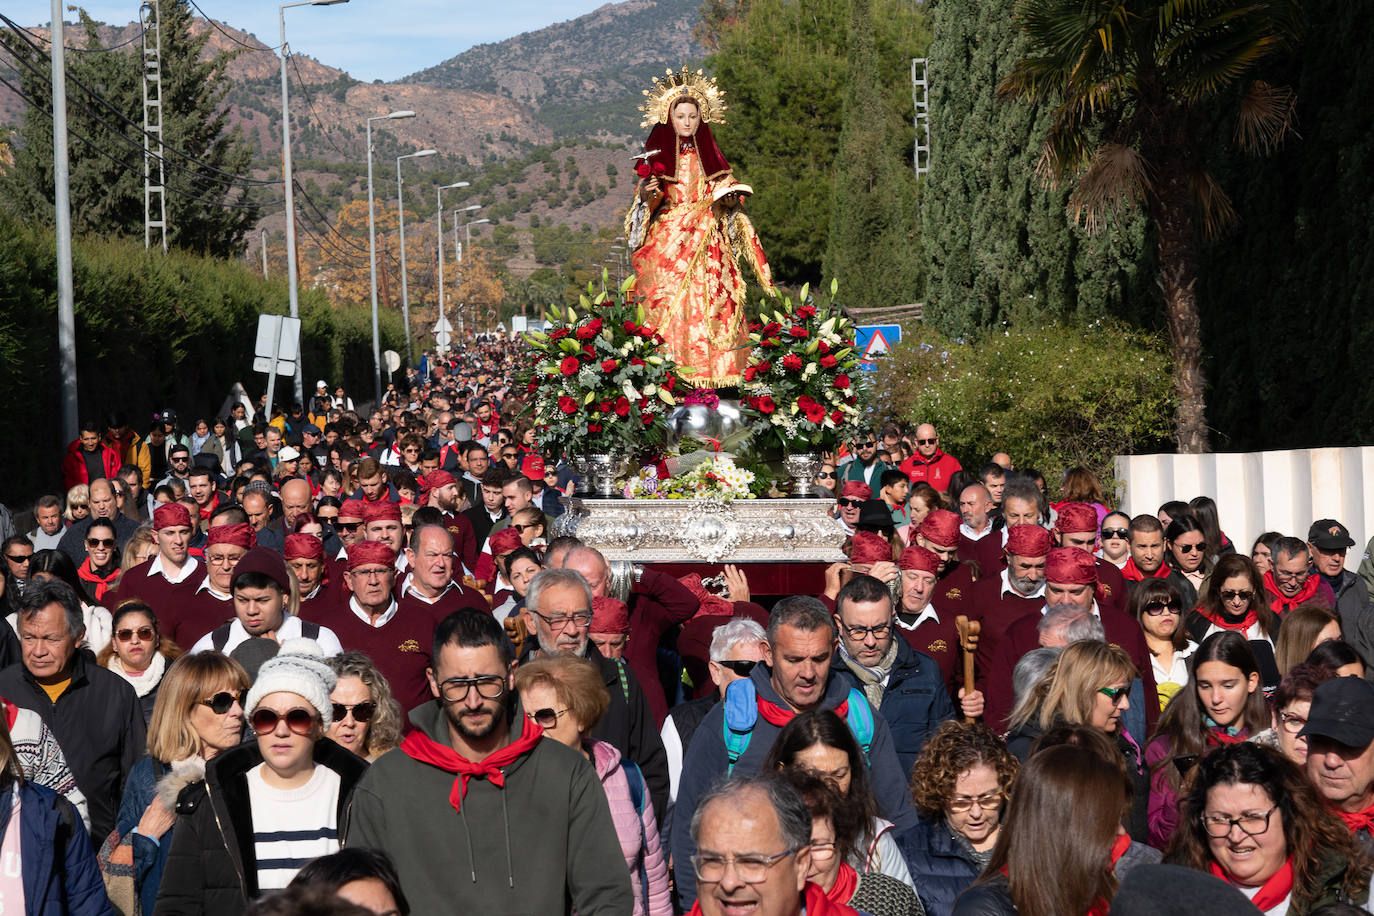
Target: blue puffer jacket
{"points": [[915, 701], [47, 834], [940, 868]]}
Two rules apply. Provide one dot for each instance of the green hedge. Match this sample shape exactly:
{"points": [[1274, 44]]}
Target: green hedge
{"points": [[153, 331]]}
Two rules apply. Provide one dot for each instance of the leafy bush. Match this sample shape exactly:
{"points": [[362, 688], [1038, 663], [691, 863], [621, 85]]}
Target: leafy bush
{"points": [[1052, 397]]}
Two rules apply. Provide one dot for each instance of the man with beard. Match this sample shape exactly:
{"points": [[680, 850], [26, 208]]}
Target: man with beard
{"points": [[441, 491], [998, 601], [1070, 582], [925, 615], [475, 794]]}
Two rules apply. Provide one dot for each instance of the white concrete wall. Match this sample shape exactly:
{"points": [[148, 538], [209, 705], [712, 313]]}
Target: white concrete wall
{"points": [[1260, 491]]}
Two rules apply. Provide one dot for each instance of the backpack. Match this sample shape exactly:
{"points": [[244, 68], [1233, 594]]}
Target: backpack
{"points": [[635, 777], [220, 637], [742, 711]]}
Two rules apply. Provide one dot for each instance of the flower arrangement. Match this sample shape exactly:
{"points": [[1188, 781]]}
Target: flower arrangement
{"points": [[716, 478], [799, 382], [596, 380], [645, 170]]}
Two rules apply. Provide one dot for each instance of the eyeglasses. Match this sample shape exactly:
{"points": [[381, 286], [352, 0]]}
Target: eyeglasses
{"points": [[928, 441], [986, 801], [578, 619], [348, 526], [1233, 594], [144, 634], [1291, 723], [546, 717], [297, 720], [489, 687], [1251, 823], [1116, 694], [90, 542], [881, 631], [1300, 575], [224, 701], [847, 503], [1187, 548], [1114, 534], [741, 666], [820, 851], [362, 712], [26, 557], [223, 559], [1156, 607], [752, 869]]}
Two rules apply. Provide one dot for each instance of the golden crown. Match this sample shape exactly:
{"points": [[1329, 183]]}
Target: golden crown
{"points": [[697, 86]]}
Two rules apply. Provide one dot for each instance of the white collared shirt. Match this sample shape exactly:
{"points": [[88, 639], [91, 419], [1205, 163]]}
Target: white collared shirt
{"points": [[1008, 590], [205, 586], [928, 613], [408, 588], [362, 615], [972, 535], [1178, 671], [157, 569], [1045, 609]]}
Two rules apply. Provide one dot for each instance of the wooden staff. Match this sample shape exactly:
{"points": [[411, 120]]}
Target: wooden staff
{"points": [[968, 641]]}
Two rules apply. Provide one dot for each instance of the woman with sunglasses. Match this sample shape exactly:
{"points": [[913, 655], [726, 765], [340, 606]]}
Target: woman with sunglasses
{"points": [[198, 715], [529, 524], [367, 719], [1116, 538], [1223, 705], [566, 696], [1155, 604], [1186, 544], [1253, 820], [139, 653], [100, 569], [1234, 600], [228, 846], [825, 480]]}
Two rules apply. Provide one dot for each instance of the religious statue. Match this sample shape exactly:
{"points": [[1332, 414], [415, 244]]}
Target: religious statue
{"points": [[688, 232]]}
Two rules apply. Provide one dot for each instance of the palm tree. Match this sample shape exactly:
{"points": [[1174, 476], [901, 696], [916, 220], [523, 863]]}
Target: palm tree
{"points": [[1138, 86]]}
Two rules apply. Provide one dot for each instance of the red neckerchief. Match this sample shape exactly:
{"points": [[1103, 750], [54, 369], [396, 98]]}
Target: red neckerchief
{"points": [[102, 585], [777, 715], [816, 903], [1272, 892], [1217, 736], [1360, 820], [1282, 604], [425, 749], [11, 713], [210, 509], [1132, 572], [1240, 626], [846, 882]]}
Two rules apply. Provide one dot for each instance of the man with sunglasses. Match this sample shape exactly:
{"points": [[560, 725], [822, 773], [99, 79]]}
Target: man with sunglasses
{"points": [[864, 465], [102, 504], [850, 503], [929, 464], [476, 807], [167, 581], [1327, 541], [1076, 526], [263, 609], [18, 551], [349, 525], [178, 464], [93, 712]]}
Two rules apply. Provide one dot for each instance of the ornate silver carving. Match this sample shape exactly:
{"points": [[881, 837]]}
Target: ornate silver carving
{"points": [[708, 530], [604, 471], [801, 469], [701, 422]]}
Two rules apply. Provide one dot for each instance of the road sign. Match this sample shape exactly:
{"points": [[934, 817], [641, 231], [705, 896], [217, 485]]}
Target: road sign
{"points": [[875, 341], [264, 364], [278, 336], [443, 339], [392, 359], [442, 326]]}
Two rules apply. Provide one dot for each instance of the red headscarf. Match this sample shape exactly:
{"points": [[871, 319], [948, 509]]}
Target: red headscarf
{"points": [[856, 489], [1070, 566], [240, 535], [1028, 541], [171, 515], [664, 138], [940, 527], [868, 548], [382, 511], [1076, 518], [303, 547], [352, 508], [918, 558], [610, 615], [504, 541], [370, 553]]}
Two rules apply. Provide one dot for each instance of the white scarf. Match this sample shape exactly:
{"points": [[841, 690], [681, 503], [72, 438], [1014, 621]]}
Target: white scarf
{"points": [[146, 682]]}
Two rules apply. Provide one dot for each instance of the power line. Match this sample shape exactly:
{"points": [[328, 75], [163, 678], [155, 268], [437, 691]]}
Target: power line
{"points": [[36, 37], [310, 103], [227, 35]]}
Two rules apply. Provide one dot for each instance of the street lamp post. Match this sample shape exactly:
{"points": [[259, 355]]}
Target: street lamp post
{"points": [[372, 250], [289, 181], [401, 214], [467, 244], [458, 250], [439, 225]]}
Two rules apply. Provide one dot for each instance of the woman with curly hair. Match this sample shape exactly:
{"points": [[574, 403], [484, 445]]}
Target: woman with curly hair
{"points": [[367, 719], [960, 785], [1253, 820]]}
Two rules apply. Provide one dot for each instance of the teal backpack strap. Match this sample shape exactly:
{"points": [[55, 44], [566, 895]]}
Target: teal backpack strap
{"points": [[624, 681], [737, 725], [860, 719]]}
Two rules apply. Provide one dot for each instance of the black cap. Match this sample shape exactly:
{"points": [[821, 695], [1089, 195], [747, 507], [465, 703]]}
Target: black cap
{"points": [[1342, 710], [1329, 534], [874, 513]]}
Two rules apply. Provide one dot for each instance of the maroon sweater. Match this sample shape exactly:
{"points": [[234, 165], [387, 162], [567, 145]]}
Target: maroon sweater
{"points": [[658, 602], [169, 602], [199, 614], [996, 612], [400, 648]]}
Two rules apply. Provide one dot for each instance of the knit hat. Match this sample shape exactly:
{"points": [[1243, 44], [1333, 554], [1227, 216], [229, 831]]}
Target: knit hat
{"points": [[920, 559], [240, 535], [868, 548], [304, 546], [856, 489], [940, 527], [1076, 518], [1028, 541], [171, 515], [1070, 566], [263, 560], [610, 615], [298, 668], [370, 553]]}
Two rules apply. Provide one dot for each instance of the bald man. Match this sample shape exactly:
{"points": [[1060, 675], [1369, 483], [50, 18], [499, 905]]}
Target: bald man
{"points": [[103, 505], [929, 464], [295, 502]]}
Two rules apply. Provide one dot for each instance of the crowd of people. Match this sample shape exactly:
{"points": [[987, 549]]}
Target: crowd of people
{"points": [[340, 662]]}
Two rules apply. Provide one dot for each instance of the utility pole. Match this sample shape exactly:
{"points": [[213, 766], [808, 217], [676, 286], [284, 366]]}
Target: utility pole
{"points": [[920, 98], [264, 254], [154, 187], [62, 201]]}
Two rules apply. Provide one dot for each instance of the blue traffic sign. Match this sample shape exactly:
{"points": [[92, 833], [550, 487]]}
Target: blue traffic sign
{"points": [[874, 341]]}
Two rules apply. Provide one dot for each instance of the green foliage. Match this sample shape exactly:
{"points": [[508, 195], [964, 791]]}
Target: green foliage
{"points": [[874, 232], [996, 239], [1053, 396], [783, 65], [152, 331]]}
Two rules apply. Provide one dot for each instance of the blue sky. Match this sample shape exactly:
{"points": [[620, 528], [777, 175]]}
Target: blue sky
{"points": [[369, 39]]}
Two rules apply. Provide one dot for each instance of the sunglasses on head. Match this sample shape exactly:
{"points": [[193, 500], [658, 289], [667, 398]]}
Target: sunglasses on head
{"points": [[224, 701], [742, 667], [1112, 534], [1155, 608], [145, 634], [362, 712], [850, 503], [95, 542], [298, 720]]}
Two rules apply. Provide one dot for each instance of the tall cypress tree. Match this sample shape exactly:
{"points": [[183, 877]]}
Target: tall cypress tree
{"points": [[874, 246]]}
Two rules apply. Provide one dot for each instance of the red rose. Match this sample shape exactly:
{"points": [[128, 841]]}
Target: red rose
{"points": [[754, 326], [768, 342], [636, 361], [604, 406], [798, 331], [766, 405], [749, 373], [631, 328], [824, 347], [671, 384], [567, 404], [647, 419], [568, 366], [841, 381], [560, 333], [622, 406], [593, 427], [608, 365], [806, 311], [643, 169], [588, 351], [792, 362], [660, 168], [765, 367], [838, 416], [531, 388], [771, 328], [829, 362]]}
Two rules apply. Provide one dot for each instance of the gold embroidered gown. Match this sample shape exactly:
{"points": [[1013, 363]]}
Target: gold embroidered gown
{"points": [[687, 258]]}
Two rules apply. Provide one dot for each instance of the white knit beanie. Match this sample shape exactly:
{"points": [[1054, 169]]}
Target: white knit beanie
{"points": [[298, 668]]}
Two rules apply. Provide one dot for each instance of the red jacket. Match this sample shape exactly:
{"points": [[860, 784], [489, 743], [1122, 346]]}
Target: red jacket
{"points": [[74, 464], [936, 472]]}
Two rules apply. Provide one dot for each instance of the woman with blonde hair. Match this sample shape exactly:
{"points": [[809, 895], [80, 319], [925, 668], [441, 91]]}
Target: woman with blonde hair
{"points": [[198, 714], [78, 504], [139, 547], [367, 718], [1304, 628], [567, 696]]}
